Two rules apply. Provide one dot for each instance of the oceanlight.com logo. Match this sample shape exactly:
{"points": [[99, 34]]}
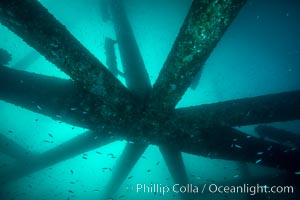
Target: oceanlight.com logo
{"points": [[250, 189], [213, 189]]}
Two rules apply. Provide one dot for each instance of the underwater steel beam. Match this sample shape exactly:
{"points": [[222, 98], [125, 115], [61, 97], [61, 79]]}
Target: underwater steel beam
{"points": [[26, 61], [175, 164], [203, 27], [41, 30], [278, 135], [135, 72], [138, 83], [57, 98], [230, 144], [130, 155], [278, 107], [12, 149], [80, 144]]}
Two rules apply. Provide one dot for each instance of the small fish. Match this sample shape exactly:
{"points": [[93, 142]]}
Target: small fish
{"points": [[121, 196], [110, 154], [10, 131], [72, 172], [157, 163], [36, 120], [46, 141], [71, 191], [104, 168], [144, 157], [50, 135], [84, 157], [148, 170], [297, 173], [238, 146], [259, 153], [72, 182], [96, 190], [98, 152], [72, 109], [130, 177], [110, 198], [248, 136], [270, 147], [258, 161], [73, 128], [236, 176], [38, 107], [84, 154]]}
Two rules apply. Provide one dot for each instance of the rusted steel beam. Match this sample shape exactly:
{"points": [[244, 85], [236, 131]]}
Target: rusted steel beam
{"points": [[278, 107], [80, 144], [203, 27], [41, 30], [59, 99]]}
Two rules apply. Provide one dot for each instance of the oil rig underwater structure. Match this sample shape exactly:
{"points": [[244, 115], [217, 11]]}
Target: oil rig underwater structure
{"points": [[139, 113]]}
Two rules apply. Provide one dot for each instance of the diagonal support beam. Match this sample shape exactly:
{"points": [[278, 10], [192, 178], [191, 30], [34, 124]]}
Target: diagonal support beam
{"points": [[278, 135], [136, 76], [278, 107], [11, 148], [130, 155], [77, 145], [39, 29], [57, 98], [175, 164], [26, 61], [230, 144], [203, 27], [137, 81]]}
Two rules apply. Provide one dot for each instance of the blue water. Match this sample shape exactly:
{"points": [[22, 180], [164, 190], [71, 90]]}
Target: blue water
{"points": [[259, 54]]}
